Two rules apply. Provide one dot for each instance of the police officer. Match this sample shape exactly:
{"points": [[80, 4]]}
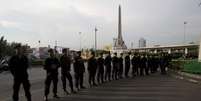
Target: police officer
{"points": [[115, 63], [155, 63], [92, 66], [100, 68], [18, 66], [147, 64], [79, 70], [142, 64], [65, 62], [151, 62], [121, 65], [127, 64], [108, 67], [134, 65], [51, 66], [138, 63], [162, 64]]}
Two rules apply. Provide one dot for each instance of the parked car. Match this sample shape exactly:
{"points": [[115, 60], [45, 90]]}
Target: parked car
{"points": [[4, 65]]}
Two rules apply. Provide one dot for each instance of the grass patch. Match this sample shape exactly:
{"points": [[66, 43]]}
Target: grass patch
{"points": [[192, 66]]}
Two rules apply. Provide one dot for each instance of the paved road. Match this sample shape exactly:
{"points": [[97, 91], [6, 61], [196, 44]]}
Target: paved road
{"points": [[148, 88]]}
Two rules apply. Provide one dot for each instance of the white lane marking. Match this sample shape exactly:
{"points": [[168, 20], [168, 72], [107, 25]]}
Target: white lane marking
{"points": [[193, 81]]}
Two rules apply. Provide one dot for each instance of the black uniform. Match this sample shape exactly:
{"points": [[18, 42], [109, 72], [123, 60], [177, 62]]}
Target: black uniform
{"points": [[115, 63], [79, 70], [147, 65], [92, 66], [142, 65], [120, 66], [151, 64], [127, 65], [65, 71], [138, 58], [155, 63], [100, 65], [108, 67], [18, 66], [163, 64], [134, 62], [51, 66]]}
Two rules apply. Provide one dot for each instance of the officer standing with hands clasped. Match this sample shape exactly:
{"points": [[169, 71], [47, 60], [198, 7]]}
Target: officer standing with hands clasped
{"points": [[115, 63], [92, 66], [18, 66], [100, 65], [108, 67], [51, 66], [121, 65], [65, 61], [127, 64]]}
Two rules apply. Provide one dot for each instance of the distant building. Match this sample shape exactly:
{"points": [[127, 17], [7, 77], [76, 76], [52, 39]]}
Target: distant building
{"points": [[142, 43], [40, 53], [43, 52]]}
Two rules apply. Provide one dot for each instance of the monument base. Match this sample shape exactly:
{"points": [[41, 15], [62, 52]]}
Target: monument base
{"points": [[119, 51]]}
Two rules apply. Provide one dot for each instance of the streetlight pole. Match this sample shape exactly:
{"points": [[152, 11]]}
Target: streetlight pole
{"points": [[184, 41], [95, 40], [55, 47], [80, 33]]}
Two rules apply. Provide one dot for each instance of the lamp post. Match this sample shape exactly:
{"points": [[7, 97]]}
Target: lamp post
{"points": [[80, 33], [95, 40], [184, 41]]}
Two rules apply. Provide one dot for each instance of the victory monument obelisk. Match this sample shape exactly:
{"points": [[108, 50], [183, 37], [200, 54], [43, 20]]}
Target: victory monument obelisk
{"points": [[119, 44]]}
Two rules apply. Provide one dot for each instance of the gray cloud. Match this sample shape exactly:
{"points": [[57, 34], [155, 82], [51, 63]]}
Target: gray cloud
{"points": [[158, 21]]}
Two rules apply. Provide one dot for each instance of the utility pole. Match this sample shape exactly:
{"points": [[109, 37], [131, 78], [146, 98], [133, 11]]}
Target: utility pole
{"points": [[96, 41], [80, 33], [55, 45], [184, 41]]}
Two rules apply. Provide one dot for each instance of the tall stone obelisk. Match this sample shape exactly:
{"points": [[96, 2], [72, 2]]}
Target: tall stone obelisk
{"points": [[118, 42], [119, 27]]}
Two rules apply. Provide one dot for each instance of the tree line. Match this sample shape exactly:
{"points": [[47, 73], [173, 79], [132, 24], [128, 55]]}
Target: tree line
{"points": [[7, 48]]}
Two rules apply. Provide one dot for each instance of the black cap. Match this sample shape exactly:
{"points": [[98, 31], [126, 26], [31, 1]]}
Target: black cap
{"points": [[63, 50], [78, 52], [92, 52], [17, 46], [50, 50]]}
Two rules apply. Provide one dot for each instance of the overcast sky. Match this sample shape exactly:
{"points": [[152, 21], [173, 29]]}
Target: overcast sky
{"points": [[158, 21]]}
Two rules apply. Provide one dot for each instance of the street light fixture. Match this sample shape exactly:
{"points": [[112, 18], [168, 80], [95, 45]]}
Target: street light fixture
{"points": [[80, 33], [184, 41], [95, 40]]}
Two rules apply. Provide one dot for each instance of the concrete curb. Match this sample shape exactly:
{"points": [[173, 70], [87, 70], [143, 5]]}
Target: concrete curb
{"points": [[186, 76]]}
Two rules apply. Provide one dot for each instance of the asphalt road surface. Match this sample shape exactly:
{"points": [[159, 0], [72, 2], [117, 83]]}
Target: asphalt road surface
{"points": [[154, 87]]}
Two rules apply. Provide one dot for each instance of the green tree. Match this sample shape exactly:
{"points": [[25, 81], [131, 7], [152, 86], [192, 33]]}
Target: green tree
{"points": [[3, 47], [7, 49]]}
